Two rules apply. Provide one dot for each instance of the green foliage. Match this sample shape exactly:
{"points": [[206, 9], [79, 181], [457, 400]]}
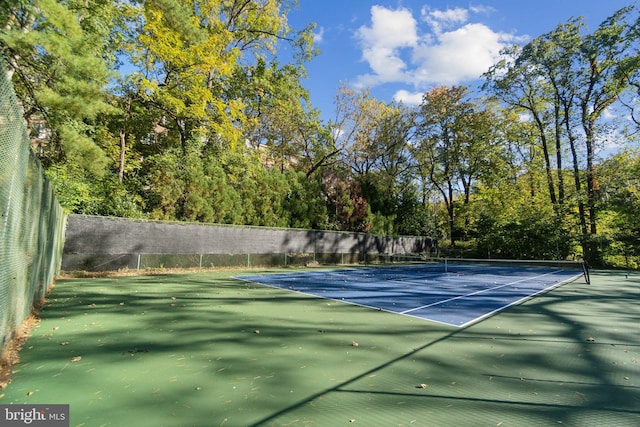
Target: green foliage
{"points": [[114, 199], [80, 192], [566, 80], [224, 199], [71, 188], [414, 218], [189, 54], [303, 202], [213, 127], [58, 56], [165, 183], [458, 145], [532, 235], [619, 191], [262, 194]]}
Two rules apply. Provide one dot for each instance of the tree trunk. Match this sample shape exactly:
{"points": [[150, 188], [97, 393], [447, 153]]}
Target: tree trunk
{"points": [[591, 179], [123, 139], [547, 161], [452, 215], [578, 185], [559, 154]]}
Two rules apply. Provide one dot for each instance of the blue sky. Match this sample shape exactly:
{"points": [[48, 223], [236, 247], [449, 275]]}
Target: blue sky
{"points": [[401, 48]]}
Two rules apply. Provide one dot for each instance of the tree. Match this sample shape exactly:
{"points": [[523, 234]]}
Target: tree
{"points": [[348, 209], [607, 60], [202, 73], [572, 79], [389, 181], [520, 84], [354, 128], [619, 192], [352, 189], [391, 148], [279, 118], [456, 146], [59, 55], [188, 51], [414, 217]]}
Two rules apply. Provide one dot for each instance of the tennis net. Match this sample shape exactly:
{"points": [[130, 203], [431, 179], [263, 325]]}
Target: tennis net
{"points": [[483, 266]]}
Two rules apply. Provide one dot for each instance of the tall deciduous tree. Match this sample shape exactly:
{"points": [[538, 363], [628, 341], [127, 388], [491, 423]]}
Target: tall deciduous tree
{"points": [[201, 70], [373, 139], [355, 127], [575, 78], [388, 181], [279, 118], [188, 50], [607, 59], [519, 83], [456, 145]]}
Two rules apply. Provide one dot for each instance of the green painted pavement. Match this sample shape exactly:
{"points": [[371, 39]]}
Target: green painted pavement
{"points": [[207, 350]]}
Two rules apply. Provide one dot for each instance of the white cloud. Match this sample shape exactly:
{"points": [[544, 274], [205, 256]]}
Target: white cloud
{"points": [[318, 36], [609, 114], [446, 49], [443, 19], [462, 54], [408, 98], [481, 9], [382, 42], [525, 117], [390, 28]]}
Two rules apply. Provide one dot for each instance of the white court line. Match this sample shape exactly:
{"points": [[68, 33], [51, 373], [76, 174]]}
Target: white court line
{"points": [[478, 292], [521, 300]]}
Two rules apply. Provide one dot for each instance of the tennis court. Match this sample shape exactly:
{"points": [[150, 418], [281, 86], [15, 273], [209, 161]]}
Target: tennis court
{"points": [[205, 349], [453, 292]]}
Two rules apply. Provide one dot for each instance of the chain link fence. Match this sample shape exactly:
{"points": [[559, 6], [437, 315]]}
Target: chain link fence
{"points": [[31, 220]]}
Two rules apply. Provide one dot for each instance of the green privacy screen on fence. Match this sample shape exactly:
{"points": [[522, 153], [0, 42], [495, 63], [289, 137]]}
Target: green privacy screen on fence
{"points": [[31, 220]]}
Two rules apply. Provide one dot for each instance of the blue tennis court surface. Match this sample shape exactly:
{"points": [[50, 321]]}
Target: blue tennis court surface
{"points": [[456, 298]]}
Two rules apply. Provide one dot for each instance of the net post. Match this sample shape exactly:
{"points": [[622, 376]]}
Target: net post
{"points": [[585, 270]]}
